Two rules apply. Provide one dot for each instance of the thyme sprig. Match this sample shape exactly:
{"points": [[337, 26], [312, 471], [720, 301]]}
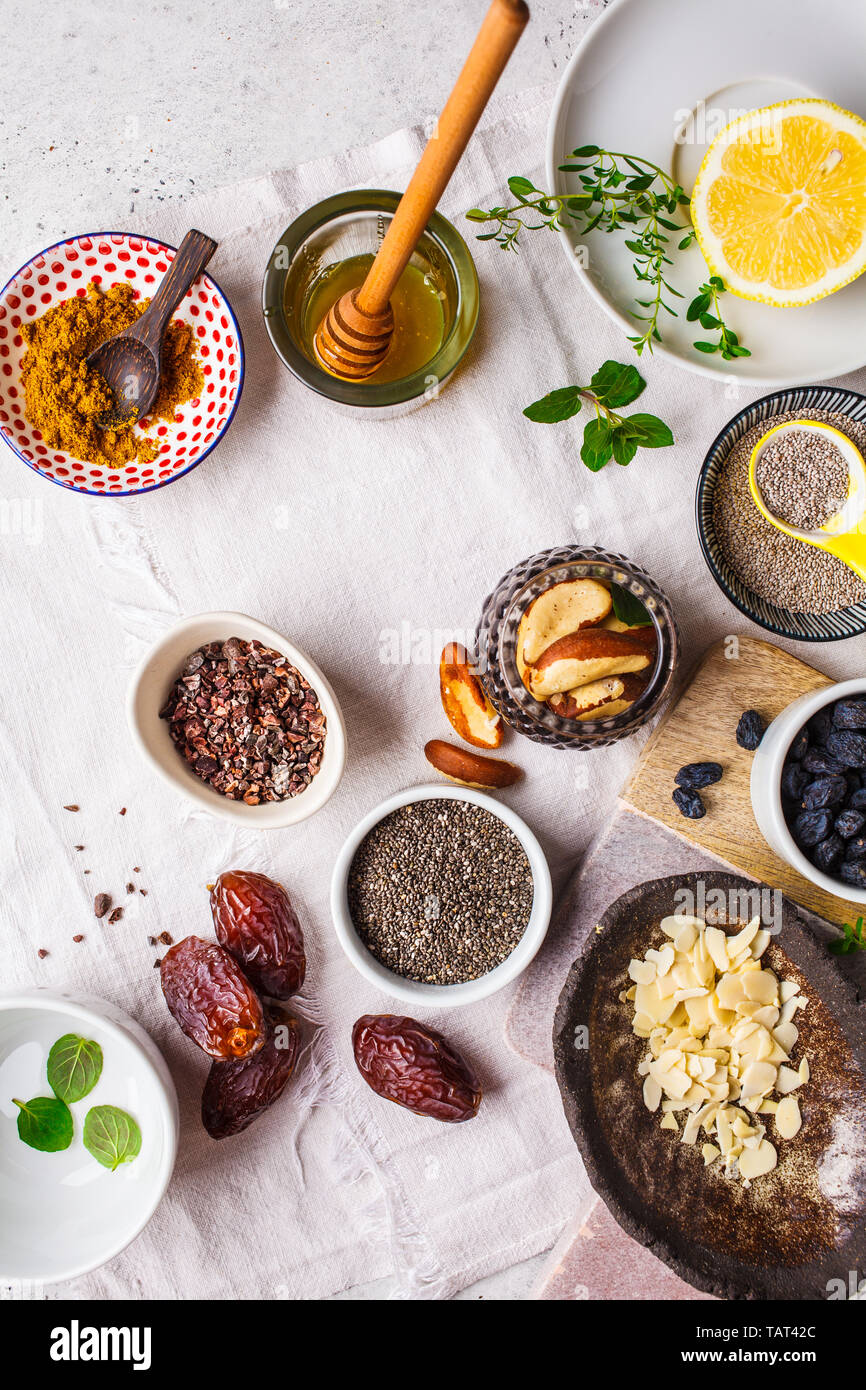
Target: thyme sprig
{"points": [[619, 191]]}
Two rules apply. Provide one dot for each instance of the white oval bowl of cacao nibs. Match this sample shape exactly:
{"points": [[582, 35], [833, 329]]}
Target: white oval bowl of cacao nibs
{"points": [[445, 884], [239, 720], [794, 792]]}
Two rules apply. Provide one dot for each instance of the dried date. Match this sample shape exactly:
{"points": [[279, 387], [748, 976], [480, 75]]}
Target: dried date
{"points": [[211, 999], [236, 1093], [256, 922], [416, 1067]]}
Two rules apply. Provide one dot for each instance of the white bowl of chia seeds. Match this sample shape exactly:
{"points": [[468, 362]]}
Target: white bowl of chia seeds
{"points": [[441, 896], [783, 584]]}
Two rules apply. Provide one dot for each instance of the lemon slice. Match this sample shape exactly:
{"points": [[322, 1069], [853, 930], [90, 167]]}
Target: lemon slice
{"points": [[779, 206]]}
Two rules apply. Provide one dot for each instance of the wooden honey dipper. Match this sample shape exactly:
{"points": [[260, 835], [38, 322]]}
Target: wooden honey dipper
{"points": [[356, 332]]}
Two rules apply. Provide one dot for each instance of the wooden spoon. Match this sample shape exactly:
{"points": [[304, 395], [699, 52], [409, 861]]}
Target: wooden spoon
{"points": [[130, 361], [355, 334]]}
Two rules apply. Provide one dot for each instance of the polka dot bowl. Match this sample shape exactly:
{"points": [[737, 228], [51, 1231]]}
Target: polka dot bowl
{"points": [[66, 269]]}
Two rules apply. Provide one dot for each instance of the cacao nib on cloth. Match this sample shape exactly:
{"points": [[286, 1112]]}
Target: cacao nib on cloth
{"points": [[246, 721]]}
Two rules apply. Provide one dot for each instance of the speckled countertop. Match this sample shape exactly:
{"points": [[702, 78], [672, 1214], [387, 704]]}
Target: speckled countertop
{"points": [[134, 105]]}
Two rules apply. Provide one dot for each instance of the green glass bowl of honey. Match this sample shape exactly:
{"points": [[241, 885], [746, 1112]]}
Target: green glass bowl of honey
{"points": [[327, 251]]}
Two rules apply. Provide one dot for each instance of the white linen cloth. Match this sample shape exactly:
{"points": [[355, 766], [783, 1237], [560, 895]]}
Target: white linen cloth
{"points": [[335, 532]]}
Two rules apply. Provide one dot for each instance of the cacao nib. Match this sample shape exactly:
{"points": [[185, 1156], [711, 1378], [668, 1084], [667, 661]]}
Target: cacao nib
{"points": [[246, 721]]}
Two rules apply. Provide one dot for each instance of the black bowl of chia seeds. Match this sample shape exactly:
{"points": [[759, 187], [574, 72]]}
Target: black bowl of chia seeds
{"points": [[783, 584], [441, 896]]}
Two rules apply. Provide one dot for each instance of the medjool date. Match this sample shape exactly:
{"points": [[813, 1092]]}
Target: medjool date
{"points": [[236, 1093], [415, 1067], [211, 999], [848, 747], [695, 775], [824, 791], [850, 714], [750, 730], [256, 922], [690, 803], [811, 827], [828, 854], [850, 823]]}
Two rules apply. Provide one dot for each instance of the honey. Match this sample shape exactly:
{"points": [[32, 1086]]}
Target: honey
{"points": [[419, 315]]}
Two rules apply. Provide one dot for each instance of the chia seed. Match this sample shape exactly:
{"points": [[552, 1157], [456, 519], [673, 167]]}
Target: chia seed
{"points": [[440, 892], [803, 478], [774, 566]]}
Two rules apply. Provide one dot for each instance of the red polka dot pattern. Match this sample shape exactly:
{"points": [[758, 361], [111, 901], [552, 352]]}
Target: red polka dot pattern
{"points": [[198, 425]]}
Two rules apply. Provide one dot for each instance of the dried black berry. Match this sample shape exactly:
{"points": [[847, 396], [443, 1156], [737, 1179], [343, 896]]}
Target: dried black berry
{"points": [[858, 800], [850, 823], [800, 747], [824, 791], [818, 762], [750, 730], [855, 873], [695, 775], [850, 714], [828, 854], [848, 747], [856, 848], [820, 725], [795, 779], [811, 827], [690, 803]]}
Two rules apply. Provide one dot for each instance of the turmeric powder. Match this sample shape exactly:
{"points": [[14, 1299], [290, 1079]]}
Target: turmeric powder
{"points": [[64, 398]]}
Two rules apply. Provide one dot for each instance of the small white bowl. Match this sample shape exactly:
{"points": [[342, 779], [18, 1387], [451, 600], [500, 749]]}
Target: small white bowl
{"points": [[63, 1214], [766, 783], [442, 996], [153, 681]]}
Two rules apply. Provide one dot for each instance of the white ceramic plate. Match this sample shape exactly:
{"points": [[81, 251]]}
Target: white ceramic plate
{"points": [[413, 991], [63, 1214], [152, 683], [643, 67]]}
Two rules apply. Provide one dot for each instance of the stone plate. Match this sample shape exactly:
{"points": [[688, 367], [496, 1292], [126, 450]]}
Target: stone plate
{"points": [[796, 1229]]}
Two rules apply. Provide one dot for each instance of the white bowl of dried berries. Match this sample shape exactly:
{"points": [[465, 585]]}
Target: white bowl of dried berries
{"points": [[239, 720]]}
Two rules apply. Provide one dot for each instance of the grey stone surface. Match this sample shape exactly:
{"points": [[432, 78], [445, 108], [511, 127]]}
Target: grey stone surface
{"points": [[107, 106]]}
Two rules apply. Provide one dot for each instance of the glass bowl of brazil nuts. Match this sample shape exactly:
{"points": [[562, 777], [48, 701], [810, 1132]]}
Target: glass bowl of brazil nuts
{"points": [[783, 584], [441, 896], [577, 647]]}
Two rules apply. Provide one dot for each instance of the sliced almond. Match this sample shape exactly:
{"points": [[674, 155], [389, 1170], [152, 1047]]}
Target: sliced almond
{"points": [[788, 1117]]}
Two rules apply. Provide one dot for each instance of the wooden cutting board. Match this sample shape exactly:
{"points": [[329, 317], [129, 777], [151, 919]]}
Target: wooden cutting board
{"points": [[734, 675]]}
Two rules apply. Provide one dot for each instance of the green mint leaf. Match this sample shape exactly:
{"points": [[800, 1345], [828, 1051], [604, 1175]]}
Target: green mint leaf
{"points": [[555, 406], [44, 1123], [624, 447], [649, 431], [597, 447], [617, 384], [74, 1067], [111, 1136], [520, 186], [627, 608]]}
